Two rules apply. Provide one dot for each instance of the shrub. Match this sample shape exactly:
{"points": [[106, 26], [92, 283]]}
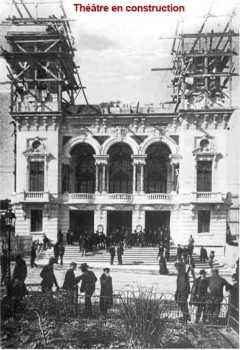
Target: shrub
{"points": [[143, 315]]}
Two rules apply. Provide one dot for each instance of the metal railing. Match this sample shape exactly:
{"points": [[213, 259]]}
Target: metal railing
{"points": [[63, 303]]}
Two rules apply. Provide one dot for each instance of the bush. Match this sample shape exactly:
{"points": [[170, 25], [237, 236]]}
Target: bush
{"points": [[143, 315]]}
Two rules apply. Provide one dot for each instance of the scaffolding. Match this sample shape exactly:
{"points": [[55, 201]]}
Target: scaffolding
{"points": [[203, 66], [40, 55]]}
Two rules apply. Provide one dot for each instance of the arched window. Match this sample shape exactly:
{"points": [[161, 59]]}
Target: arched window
{"points": [[120, 168], [83, 167], [156, 169]]}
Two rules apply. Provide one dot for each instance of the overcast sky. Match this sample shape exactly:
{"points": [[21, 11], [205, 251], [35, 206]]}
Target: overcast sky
{"points": [[116, 51]]}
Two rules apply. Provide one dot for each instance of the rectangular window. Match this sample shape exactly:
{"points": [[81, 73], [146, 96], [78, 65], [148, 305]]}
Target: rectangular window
{"points": [[203, 221], [204, 176], [36, 220], [36, 175]]}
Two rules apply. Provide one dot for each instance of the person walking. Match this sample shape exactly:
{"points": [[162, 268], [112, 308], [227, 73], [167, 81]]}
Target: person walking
{"points": [[88, 279], [48, 277], [61, 252], [216, 285], [56, 252], [199, 296], [4, 266], [120, 253], [33, 256], [106, 291], [112, 252]]}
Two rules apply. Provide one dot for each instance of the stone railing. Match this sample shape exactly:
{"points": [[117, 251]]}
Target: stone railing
{"points": [[36, 196], [121, 196], [208, 196], [158, 196], [81, 196]]}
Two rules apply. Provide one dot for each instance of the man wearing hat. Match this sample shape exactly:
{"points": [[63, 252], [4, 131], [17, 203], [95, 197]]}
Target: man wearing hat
{"points": [[70, 280], [106, 292], [48, 276], [88, 279], [199, 295], [70, 283]]}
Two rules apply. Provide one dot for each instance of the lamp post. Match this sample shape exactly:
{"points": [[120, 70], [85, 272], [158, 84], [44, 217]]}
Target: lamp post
{"points": [[9, 220]]}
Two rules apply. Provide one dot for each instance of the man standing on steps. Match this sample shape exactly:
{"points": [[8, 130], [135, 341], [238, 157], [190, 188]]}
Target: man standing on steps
{"points": [[112, 254], [120, 253], [61, 252]]}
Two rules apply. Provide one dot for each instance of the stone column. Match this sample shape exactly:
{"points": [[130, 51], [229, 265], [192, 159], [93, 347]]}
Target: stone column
{"points": [[142, 177], [97, 178], [101, 162], [104, 178], [134, 178], [138, 173]]}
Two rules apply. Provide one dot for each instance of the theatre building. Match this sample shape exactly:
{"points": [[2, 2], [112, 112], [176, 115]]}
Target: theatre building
{"points": [[87, 168]]}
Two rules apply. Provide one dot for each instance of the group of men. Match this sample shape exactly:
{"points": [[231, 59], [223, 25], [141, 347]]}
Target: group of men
{"points": [[206, 293], [88, 283]]}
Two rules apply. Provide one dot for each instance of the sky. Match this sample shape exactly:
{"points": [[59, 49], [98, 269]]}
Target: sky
{"points": [[116, 51]]}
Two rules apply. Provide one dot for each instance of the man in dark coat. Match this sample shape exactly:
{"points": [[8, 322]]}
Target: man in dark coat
{"points": [[70, 280], [120, 253], [4, 266], [215, 294], [48, 276], [163, 270], [56, 252], [182, 292], [17, 285], [203, 255], [61, 250], [33, 256], [199, 296], [106, 292], [88, 279], [112, 254], [20, 269]]}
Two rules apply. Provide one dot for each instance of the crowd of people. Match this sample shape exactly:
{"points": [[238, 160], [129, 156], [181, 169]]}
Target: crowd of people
{"points": [[94, 240], [205, 295]]}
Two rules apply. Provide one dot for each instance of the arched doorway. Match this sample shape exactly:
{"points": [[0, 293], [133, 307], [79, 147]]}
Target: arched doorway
{"points": [[120, 168], [157, 168], [83, 168]]}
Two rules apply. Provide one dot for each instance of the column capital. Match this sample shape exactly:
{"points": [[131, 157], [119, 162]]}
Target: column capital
{"points": [[66, 160], [101, 159], [175, 158], [139, 159]]}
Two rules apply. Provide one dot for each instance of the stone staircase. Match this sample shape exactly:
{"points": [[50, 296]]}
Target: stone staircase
{"points": [[133, 257]]}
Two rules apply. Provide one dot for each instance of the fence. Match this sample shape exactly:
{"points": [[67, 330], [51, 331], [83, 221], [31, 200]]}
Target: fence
{"points": [[67, 304]]}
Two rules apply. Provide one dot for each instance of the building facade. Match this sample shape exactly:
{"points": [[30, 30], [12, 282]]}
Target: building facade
{"points": [[88, 172], [84, 168]]}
